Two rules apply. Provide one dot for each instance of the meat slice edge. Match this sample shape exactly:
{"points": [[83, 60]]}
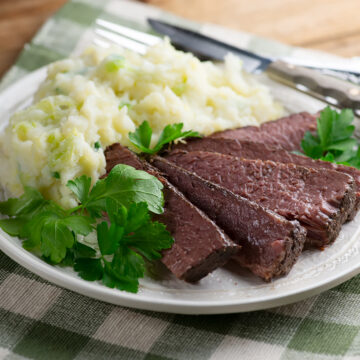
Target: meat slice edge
{"points": [[253, 150], [200, 245], [286, 132], [270, 243], [319, 199]]}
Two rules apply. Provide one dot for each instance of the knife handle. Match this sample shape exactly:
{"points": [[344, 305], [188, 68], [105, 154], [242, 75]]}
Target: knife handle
{"points": [[326, 88]]}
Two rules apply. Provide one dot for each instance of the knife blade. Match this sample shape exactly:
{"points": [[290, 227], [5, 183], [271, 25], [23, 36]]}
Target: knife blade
{"points": [[211, 49], [207, 47], [326, 88]]}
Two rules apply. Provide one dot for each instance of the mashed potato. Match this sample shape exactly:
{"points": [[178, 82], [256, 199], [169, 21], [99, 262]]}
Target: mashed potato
{"points": [[89, 102]]}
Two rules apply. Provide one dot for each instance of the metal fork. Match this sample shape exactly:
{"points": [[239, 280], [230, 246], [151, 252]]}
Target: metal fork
{"points": [[108, 33]]}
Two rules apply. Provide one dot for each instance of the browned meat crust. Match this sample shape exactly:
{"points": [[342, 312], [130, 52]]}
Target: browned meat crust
{"points": [[286, 132], [200, 245], [270, 243], [252, 150], [320, 200]]}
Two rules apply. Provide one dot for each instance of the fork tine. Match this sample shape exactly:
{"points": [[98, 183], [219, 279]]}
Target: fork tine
{"points": [[122, 41], [100, 42], [139, 36]]}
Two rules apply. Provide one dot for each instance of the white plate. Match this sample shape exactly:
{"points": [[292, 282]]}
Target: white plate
{"points": [[226, 290]]}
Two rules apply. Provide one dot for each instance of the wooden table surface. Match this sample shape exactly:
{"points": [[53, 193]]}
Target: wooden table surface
{"points": [[329, 25]]}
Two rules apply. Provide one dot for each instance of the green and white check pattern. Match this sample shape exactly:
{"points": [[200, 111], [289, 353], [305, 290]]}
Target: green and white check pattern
{"points": [[41, 321]]}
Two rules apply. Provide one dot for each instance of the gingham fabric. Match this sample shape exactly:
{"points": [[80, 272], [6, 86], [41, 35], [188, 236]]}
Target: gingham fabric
{"points": [[39, 320]]}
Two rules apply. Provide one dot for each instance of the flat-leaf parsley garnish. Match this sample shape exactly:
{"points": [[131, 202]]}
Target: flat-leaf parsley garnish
{"points": [[130, 237], [124, 184], [141, 137], [334, 139], [126, 237]]}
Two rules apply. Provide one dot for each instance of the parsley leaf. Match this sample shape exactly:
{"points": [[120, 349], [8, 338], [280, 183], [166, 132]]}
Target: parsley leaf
{"points": [[171, 133], [342, 145], [80, 187], [141, 240], [13, 226], [328, 157], [127, 185], [137, 215], [334, 139], [83, 251], [341, 127], [113, 280], [44, 225], [141, 138], [127, 267], [324, 126], [109, 237], [89, 269], [29, 202], [55, 239], [124, 244], [354, 159], [22, 209], [79, 224], [311, 146], [118, 259], [53, 234], [124, 185]]}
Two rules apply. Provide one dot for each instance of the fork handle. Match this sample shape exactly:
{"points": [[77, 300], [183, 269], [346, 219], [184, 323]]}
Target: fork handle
{"points": [[326, 88]]}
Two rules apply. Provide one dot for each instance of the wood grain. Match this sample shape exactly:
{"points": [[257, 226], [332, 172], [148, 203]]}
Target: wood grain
{"points": [[19, 21], [329, 25], [323, 24]]}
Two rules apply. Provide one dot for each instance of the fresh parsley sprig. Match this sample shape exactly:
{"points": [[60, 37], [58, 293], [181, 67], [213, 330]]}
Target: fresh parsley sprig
{"points": [[44, 225], [141, 137], [124, 184], [123, 246], [126, 195], [334, 139]]}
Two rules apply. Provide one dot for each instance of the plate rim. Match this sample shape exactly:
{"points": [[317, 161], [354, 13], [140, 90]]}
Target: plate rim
{"points": [[51, 273], [97, 291]]}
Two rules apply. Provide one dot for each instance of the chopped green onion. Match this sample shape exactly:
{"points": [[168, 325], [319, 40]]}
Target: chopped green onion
{"points": [[122, 104], [179, 89], [97, 145], [56, 175], [114, 63]]}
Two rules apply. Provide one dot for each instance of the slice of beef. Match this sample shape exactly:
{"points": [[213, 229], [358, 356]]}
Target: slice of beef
{"points": [[319, 199], [270, 244], [252, 150], [200, 245], [286, 132]]}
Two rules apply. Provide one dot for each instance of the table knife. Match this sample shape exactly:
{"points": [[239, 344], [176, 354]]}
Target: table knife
{"points": [[329, 89]]}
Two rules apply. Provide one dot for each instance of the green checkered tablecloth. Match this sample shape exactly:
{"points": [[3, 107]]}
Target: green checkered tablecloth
{"points": [[41, 321]]}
